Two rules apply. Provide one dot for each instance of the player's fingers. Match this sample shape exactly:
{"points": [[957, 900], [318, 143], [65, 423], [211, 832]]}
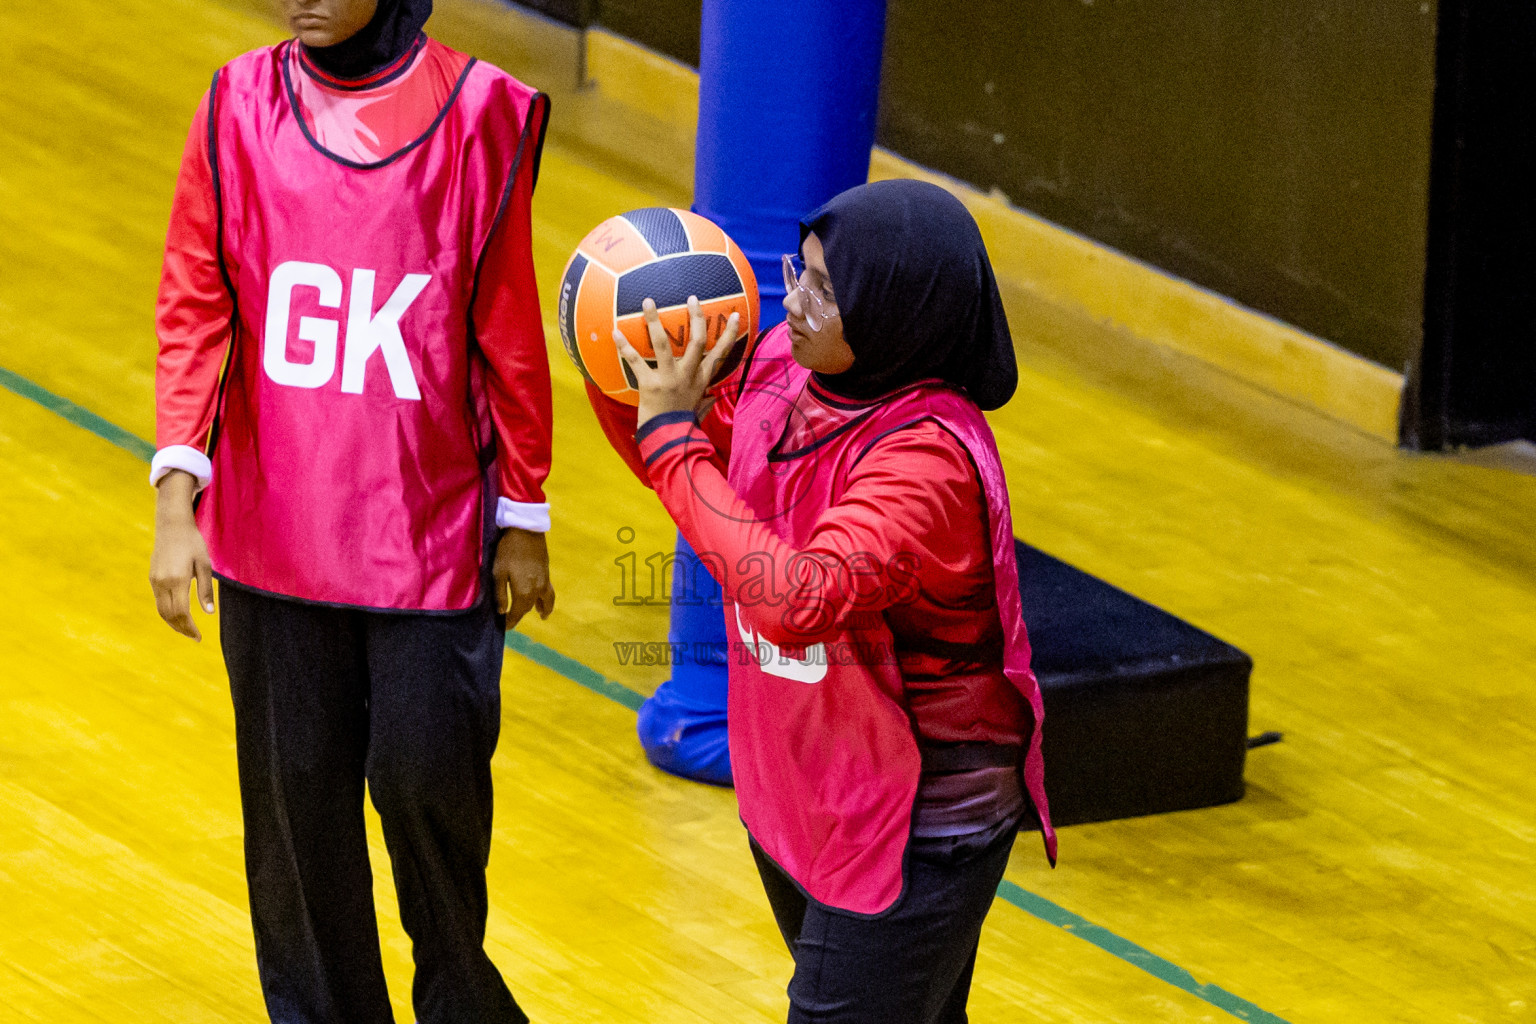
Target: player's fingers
{"points": [[723, 346], [698, 335], [204, 573], [732, 331], [661, 345], [180, 616], [163, 602], [630, 355], [546, 601], [521, 603], [499, 582]]}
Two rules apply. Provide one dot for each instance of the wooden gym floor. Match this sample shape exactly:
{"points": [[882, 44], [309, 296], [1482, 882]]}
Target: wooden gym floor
{"points": [[1380, 868]]}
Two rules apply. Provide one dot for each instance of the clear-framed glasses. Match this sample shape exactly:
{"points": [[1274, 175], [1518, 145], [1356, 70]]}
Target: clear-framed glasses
{"points": [[816, 310]]}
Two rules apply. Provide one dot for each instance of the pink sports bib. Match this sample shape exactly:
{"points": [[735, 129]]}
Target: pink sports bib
{"points": [[352, 439], [825, 762]]}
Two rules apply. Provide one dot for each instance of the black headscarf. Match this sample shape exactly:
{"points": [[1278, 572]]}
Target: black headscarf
{"points": [[916, 293], [393, 28]]}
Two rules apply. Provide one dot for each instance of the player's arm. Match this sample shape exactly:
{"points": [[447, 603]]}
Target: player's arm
{"points": [[618, 423], [862, 555], [193, 316], [715, 414], [510, 330]]}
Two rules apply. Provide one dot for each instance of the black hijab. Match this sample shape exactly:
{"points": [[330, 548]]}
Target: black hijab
{"points": [[916, 293], [393, 28]]}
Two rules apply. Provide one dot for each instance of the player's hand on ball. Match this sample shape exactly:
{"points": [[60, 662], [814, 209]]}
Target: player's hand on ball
{"points": [[677, 383], [521, 572]]}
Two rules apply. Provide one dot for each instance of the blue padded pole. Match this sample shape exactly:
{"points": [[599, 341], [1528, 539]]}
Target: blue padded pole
{"points": [[787, 99]]}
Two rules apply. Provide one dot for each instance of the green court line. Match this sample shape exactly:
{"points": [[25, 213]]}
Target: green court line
{"points": [[76, 414], [573, 670], [1126, 950], [576, 672]]}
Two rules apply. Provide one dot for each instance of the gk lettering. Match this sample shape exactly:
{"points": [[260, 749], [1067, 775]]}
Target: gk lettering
{"points": [[367, 332]]}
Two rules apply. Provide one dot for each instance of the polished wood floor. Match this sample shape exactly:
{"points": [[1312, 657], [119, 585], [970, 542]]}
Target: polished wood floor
{"points": [[1381, 868]]}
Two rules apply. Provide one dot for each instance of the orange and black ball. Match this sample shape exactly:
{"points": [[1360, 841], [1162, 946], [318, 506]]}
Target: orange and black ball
{"points": [[657, 253]]}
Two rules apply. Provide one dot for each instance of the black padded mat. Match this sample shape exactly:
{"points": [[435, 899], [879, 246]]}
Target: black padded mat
{"points": [[1144, 713]]}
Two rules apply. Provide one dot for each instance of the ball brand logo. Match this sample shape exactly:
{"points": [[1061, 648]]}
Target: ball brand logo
{"points": [[567, 291], [809, 668], [606, 237], [367, 332]]}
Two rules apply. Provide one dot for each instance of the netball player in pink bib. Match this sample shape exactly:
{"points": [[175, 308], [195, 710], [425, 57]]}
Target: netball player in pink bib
{"points": [[352, 382], [884, 722]]}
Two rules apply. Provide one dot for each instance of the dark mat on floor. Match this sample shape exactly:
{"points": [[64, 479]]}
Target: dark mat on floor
{"points": [[1144, 713]]}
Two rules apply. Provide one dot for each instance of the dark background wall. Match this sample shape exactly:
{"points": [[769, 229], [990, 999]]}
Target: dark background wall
{"points": [[1475, 380], [1277, 152], [666, 26], [572, 12]]}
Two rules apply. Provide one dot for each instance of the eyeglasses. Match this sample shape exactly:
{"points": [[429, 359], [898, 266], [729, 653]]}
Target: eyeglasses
{"points": [[816, 310]]}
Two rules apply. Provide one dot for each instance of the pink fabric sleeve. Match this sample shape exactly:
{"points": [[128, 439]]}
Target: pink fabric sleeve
{"points": [[618, 421], [896, 522], [510, 330], [194, 310]]}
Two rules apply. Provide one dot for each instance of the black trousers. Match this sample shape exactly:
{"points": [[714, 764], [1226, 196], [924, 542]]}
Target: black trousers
{"points": [[326, 698], [911, 965]]}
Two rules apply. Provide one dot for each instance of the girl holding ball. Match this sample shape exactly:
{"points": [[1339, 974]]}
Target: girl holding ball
{"points": [[846, 490]]}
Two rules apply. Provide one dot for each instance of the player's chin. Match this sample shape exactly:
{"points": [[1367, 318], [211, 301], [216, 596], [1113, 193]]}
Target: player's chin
{"points": [[313, 31], [802, 350]]}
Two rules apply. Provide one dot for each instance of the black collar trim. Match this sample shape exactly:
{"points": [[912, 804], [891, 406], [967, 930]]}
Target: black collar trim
{"points": [[774, 455], [388, 73], [293, 106]]}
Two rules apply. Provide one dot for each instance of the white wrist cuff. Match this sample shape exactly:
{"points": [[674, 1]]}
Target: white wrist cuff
{"points": [[183, 457], [522, 515]]}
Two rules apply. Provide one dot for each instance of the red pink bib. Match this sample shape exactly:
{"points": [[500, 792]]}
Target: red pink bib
{"points": [[825, 762], [351, 443]]}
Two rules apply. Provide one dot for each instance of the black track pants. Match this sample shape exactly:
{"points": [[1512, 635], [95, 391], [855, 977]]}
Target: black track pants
{"points": [[910, 966], [326, 698]]}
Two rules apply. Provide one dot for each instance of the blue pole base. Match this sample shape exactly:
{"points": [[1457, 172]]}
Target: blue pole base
{"points": [[684, 740], [682, 727]]}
